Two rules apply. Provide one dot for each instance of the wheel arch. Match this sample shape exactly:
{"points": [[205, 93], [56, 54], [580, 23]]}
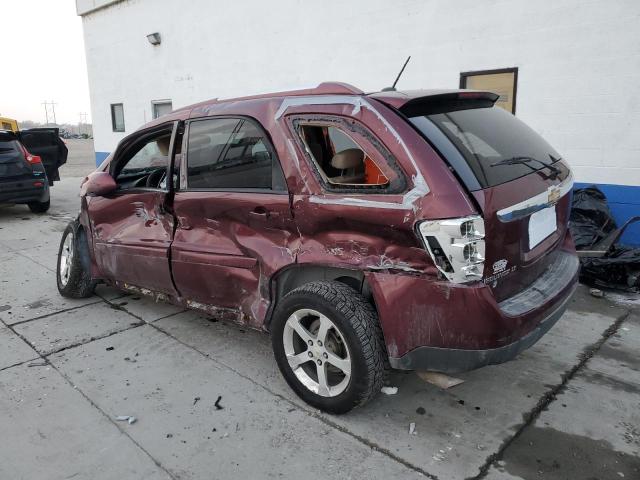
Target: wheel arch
{"points": [[294, 276]]}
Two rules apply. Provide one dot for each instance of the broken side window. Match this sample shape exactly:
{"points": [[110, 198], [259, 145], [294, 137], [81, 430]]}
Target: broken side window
{"points": [[346, 156]]}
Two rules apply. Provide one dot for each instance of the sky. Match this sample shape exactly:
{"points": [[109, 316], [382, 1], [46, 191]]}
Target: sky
{"points": [[43, 59]]}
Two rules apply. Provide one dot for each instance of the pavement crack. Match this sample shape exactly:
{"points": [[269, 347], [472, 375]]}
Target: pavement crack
{"points": [[19, 363], [92, 339], [40, 317], [113, 422], [330, 423], [550, 395], [86, 397], [17, 252]]}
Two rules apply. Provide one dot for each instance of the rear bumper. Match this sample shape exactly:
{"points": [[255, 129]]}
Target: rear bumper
{"points": [[452, 360], [436, 325], [23, 191]]}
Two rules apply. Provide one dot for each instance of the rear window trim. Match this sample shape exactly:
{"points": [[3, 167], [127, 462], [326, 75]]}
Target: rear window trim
{"points": [[448, 152]]}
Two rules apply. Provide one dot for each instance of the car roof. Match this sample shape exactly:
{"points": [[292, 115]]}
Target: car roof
{"points": [[394, 98]]}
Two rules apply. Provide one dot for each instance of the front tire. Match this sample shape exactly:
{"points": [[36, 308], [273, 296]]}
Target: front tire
{"points": [[328, 345], [39, 207], [73, 272]]}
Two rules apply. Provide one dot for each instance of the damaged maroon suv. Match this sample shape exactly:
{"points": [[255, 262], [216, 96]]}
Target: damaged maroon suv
{"points": [[413, 230]]}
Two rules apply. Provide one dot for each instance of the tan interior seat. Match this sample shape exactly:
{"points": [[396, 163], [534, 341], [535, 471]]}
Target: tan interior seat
{"points": [[350, 162]]}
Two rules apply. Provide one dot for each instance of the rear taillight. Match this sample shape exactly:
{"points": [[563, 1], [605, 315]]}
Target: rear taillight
{"points": [[32, 159], [456, 246]]}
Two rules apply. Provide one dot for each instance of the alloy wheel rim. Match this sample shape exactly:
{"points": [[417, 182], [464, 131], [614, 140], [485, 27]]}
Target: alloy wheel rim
{"points": [[66, 257], [317, 352]]}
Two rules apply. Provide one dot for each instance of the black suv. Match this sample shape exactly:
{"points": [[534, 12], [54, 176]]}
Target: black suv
{"points": [[29, 162]]}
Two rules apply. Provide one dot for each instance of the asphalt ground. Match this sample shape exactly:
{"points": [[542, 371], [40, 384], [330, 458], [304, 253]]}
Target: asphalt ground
{"points": [[568, 408]]}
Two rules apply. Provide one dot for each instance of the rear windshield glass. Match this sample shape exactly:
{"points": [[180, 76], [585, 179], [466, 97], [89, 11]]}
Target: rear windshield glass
{"points": [[490, 144], [8, 145]]}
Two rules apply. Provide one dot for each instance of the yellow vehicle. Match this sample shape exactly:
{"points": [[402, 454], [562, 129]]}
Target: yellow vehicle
{"points": [[8, 124]]}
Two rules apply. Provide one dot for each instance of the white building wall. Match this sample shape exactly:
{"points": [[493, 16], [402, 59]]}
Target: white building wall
{"points": [[578, 79]]}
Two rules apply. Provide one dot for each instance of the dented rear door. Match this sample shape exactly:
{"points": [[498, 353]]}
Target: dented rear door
{"points": [[233, 219]]}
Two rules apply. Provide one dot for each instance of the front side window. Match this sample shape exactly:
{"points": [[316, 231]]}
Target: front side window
{"points": [[231, 153], [117, 117], [144, 165]]}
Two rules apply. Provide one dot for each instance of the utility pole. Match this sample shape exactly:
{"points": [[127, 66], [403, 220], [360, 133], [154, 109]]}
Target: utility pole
{"points": [[46, 111], [51, 104], [83, 120], [53, 107]]}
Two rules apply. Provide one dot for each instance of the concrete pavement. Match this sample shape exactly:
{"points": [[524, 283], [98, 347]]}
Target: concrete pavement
{"points": [[566, 408]]}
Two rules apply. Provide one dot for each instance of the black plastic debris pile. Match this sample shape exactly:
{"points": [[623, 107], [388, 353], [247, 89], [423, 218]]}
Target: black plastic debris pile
{"points": [[604, 262]]}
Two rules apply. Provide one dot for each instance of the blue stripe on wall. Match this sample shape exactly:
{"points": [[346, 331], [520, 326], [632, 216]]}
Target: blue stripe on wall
{"points": [[624, 203], [100, 156]]}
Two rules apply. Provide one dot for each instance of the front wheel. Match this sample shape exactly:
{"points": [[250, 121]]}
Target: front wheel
{"points": [[73, 273], [328, 345]]}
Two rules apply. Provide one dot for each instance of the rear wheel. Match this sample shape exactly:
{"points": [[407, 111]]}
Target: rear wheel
{"points": [[39, 207], [73, 272], [328, 345]]}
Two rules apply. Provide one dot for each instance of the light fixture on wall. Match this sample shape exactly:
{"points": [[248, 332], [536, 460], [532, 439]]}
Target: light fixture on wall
{"points": [[154, 38]]}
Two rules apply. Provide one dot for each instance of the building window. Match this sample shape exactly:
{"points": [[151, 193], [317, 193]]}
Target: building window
{"points": [[117, 117], [161, 107], [503, 81]]}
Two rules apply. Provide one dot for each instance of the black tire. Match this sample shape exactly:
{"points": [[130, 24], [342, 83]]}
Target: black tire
{"points": [[77, 282], [357, 321], [39, 207]]}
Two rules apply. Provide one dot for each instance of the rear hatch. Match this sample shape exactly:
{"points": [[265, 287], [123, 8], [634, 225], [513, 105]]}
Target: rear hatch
{"points": [[47, 144], [518, 181], [13, 164]]}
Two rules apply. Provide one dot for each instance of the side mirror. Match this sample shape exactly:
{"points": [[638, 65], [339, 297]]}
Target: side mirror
{"points": [[98, 184]]}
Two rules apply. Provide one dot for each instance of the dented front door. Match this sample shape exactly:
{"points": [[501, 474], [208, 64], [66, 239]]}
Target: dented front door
{"points": [[132, 228], [132, 235]]}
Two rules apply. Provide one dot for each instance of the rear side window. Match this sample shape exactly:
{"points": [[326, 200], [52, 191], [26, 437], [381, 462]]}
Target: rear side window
{"points": [[231, 153], [346, 156], [340, 160], [493, 144]]}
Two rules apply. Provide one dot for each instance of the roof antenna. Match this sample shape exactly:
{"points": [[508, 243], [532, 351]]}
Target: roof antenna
{"points": [[392, 88]]}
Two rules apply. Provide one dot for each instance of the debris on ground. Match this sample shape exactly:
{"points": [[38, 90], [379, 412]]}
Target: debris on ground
{"points": [[217, 404], [108, 349], [596, 292], [127, 418], [440, 380], [389, 390], [129, 359], [604, 261], [37, 364], [412, 429], [196, 400]]}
